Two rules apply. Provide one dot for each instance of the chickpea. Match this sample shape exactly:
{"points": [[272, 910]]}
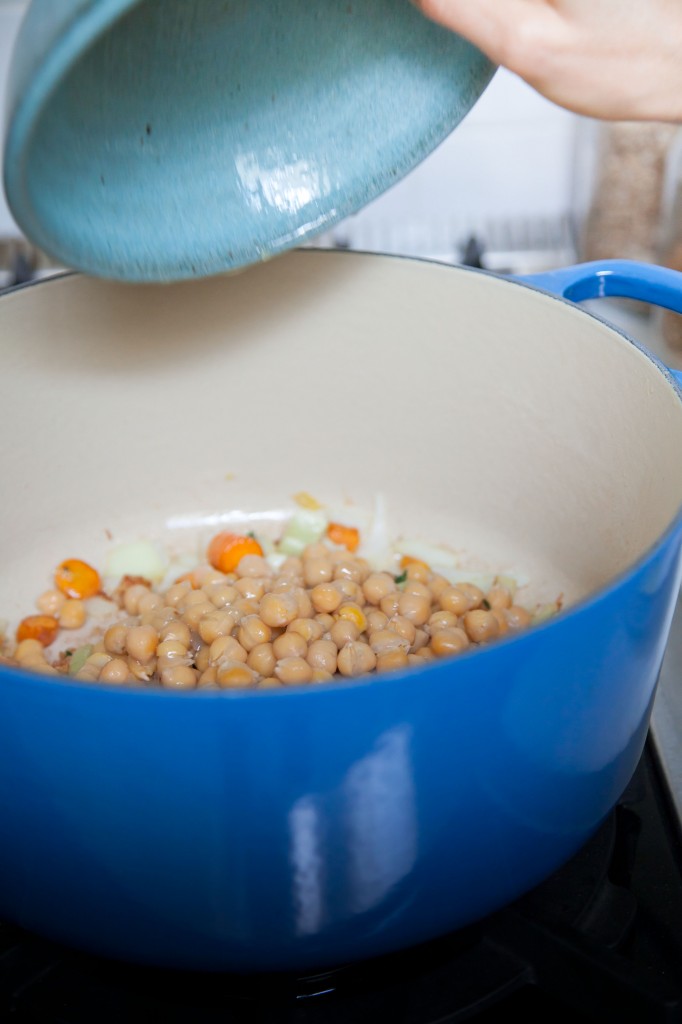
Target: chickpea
{"points": [[318, 550], [499, 596], [325, 620], [212, 624], [283, 585], [453, 599], [416, 588], [304, 604], [418, 571], [415, 607], [223, 595], [308, 628], [376, 619], [176, 630], [226, 648], [442, 621], [293, 671], [269, 683], [179, 677], [289, 645], [517, 617], [424, 654], [325, 597], [28, 649], [254, 567], [252, 632], [503, 625], [141, 643], [177, 593], [132, 595], [378, 585], [384, 640], [403, 627], [202, 658], [92, 667], [158, 619], [250, 587], [205, 575], [149, 602], [320, 676], [474, 594], [437, 584], [242, 607], [172, 649], [115, 638], [191, 598], [348, 569], [343, 631], [421, 639], [389, 604], [233, 674], [72, 614], [262, 659], [392, 660], [349, 590], [317, 570], [481, 625], [142, 671], [193, 615], [447, 642], [50, 602], [356, 658], [279, 609], [115, 671], [292, 567], [208, 680], [322, 654]]}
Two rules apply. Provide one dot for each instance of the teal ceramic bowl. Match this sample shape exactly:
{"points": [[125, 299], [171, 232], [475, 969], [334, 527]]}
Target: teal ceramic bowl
{"points": [[152, 140]]}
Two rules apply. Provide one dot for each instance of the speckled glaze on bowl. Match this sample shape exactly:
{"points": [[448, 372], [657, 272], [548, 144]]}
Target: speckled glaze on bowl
{"points": [[165, 140]]}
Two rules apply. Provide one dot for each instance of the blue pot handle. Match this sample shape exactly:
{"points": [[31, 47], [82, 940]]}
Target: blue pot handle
{"points": [[623, 279]]}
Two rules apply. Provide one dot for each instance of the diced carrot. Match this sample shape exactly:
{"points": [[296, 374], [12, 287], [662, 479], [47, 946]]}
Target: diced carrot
{"points": [[42, 628], [409, 560], [226, 550], [77, 579], [348, 536]]}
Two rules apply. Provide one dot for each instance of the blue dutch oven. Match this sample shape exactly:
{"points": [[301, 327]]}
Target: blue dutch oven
{"points": [[316, 825]]}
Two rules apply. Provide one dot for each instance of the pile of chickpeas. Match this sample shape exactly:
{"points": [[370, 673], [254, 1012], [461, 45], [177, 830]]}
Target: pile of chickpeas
{"points": [[319, 616]]}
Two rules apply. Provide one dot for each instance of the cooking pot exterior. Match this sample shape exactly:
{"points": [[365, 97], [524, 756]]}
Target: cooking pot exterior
{"points": [[306, 827]]}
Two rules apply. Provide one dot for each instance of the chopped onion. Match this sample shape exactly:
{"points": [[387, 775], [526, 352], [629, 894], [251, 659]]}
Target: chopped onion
{"points": [[544, 612], [375, 545], [429, 553], [138, 558]]}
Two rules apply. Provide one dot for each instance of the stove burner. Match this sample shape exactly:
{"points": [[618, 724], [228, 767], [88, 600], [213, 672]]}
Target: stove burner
{"points": [[600, 939]]}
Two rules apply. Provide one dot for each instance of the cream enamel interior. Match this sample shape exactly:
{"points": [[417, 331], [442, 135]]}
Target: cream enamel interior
{"points": [[516, 428]]}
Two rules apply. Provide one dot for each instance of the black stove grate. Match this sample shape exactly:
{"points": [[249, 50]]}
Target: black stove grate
{"points": [[598, 941]]}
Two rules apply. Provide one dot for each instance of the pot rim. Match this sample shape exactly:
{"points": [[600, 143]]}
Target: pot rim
{"points": [[581, 607]]}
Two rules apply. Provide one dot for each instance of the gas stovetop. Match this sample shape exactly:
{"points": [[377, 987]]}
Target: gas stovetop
{"points": [[600, 940]]}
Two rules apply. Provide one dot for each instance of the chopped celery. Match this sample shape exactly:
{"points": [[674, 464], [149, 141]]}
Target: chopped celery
{"points": [[78, 658], [306, 526]]}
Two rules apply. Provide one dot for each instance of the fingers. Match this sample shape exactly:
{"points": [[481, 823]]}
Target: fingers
{"points": [[485, 23]]}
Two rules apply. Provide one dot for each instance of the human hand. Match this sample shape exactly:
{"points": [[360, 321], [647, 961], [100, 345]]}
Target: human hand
{"points": [[607, 59]]}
